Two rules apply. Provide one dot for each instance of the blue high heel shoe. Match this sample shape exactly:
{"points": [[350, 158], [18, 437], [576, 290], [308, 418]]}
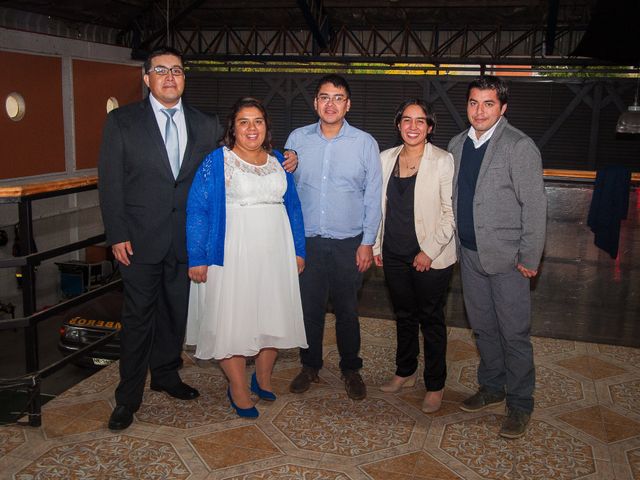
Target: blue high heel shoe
{"points": [[263, 394], [242, 412]]}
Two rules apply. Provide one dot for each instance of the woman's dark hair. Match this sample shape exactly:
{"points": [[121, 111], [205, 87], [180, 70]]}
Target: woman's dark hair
{"points": [[229, 138], [426, 108]]}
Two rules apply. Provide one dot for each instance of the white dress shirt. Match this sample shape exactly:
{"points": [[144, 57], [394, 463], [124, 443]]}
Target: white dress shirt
{"points": [[484, 138]]}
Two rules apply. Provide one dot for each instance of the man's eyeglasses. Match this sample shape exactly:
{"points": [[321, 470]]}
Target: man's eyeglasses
{"points": [[337, 99], [162, 70]]}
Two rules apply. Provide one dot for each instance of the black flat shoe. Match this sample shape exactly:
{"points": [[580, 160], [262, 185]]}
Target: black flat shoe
{"points": [[120, 418], [181, 391]]}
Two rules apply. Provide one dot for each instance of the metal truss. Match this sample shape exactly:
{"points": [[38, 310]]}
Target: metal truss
{"points": [[435, 46]]}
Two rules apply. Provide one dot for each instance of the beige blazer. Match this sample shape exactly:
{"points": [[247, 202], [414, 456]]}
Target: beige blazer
{"points": [[433, 212]]}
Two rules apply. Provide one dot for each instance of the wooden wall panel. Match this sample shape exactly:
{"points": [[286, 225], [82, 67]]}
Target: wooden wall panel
{"points": [[35, 144], [93, 84]]}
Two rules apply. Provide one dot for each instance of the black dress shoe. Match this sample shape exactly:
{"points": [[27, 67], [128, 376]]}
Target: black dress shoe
{"points": [[120, 418], [180, 390]]}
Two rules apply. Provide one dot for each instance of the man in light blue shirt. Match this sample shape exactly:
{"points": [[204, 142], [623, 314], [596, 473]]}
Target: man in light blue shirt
{"points": [[339, 183]]}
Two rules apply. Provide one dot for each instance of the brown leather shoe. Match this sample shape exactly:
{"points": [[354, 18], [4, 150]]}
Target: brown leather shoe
{"points": [[303, 380], [482, 399], [353, 384], [515, 423]]}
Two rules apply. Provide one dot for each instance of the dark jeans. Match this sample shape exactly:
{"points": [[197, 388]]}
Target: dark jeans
{"points": [[418, 300], [331, 272]]}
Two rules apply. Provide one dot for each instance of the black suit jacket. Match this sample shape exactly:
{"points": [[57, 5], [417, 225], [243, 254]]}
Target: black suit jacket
{"points": [[140, 200]]}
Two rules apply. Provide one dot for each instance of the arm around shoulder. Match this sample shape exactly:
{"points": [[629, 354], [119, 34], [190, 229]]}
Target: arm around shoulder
{"points": [[294, 212]]}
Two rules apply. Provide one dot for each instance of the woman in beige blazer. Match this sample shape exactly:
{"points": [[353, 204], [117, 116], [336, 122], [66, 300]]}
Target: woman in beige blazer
{"points": [[416, 247]]}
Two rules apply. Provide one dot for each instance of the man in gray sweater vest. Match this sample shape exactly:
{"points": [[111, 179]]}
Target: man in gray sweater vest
{"points": [[500, 207]]}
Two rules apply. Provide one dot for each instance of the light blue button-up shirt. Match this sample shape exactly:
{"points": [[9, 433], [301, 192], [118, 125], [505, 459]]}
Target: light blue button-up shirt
{"points": [[339, 182]]}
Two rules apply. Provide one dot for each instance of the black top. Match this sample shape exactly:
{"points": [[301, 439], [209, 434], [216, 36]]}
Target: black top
{"points": [[399, 227], [467, 179]]}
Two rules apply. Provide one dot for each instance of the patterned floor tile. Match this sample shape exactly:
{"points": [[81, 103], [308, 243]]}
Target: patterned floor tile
{"points": [[544, 453], [327, 436], [633, 457], [626, 355], [289, 355], [626, 395], [416, 466], [460, 350], [120, 457], [291, 472], [379, 328], [551, 346], [74, 419], [591, 367], [10, 438], [553, 388], [100, 381], [210, 407], [233, 447], [335, 424], [602, 423], [329, 337]]}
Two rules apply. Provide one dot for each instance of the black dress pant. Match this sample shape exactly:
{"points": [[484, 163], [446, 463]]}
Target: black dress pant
{"points": [[418, 300], [154, 319]]}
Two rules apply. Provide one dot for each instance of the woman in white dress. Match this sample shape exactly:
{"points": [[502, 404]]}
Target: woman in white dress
{"points": [[245, 239]]}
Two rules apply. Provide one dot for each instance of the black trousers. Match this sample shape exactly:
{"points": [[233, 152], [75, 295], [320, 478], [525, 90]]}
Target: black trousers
{"points": [[418, 300], [331, 272], [154, 319]]}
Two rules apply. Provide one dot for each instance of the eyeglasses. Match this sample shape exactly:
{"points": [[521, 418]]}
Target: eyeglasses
{"points": [[337, 99], [162, 70]]}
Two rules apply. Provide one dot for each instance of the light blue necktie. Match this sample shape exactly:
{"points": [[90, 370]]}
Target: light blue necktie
{"points": [[171, 140]]}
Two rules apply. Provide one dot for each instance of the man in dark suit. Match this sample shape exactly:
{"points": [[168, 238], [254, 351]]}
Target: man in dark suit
{"points": [[149, 155], [500, 208]]}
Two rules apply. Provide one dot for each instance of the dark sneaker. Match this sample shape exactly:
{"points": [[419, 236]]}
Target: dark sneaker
{"points": [[481, 399], [303, 380], [353, 384], [515, 424]]}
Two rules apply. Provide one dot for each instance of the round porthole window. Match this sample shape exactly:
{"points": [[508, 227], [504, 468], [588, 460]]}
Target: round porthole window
{"points": [[112, 104], [14, 106]]}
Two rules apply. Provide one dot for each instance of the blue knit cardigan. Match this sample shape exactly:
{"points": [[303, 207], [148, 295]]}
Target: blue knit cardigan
{"points": [[206, 212]]}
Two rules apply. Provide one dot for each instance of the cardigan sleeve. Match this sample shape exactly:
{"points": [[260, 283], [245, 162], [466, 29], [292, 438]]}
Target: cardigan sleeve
{"points": [[294, 211], [198, 215]]}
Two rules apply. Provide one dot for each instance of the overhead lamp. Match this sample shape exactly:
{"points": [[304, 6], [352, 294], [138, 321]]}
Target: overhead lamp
{"points": [[629, 121]]}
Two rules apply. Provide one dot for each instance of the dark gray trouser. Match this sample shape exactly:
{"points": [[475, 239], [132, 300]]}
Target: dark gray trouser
{"points": [[499, 310], [331, 273]]}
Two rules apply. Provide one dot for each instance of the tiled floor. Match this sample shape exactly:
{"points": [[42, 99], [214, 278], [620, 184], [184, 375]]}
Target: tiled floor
{"points": [[586, 424]]}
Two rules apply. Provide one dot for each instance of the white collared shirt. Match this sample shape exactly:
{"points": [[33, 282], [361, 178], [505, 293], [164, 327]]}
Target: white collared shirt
{"points": [[484, 138], [178, 117]]}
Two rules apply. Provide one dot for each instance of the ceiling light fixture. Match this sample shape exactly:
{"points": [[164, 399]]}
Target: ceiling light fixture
{"points": [[629, 121]]}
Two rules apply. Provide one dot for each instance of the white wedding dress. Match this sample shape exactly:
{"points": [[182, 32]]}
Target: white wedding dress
{"points": [[253, 301]]}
